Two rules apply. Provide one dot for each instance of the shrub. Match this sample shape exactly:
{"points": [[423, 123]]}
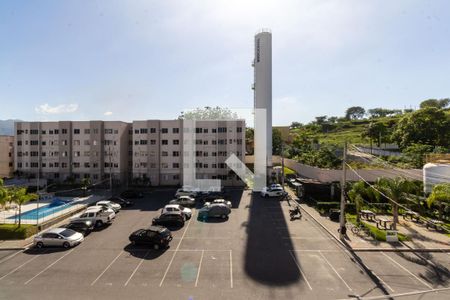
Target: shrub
{"points": [[14, 232]]}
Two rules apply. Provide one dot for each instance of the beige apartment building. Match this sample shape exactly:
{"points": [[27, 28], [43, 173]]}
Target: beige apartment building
{"points": [[6, 156], [153, 151], [78, 149]]}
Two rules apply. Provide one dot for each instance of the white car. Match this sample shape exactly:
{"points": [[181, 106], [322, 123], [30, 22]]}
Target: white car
{"points": [[187, 212], [275, 185], [185, 192], [98, 215], [109, 204], [272, 192], [58, 237], [227, 203]]}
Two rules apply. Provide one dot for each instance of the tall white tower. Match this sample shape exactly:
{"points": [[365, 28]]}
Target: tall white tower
{"points": [[262, 85]]}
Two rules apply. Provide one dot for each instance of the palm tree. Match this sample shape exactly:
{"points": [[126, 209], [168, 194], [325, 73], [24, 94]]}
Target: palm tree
{"points": [[357, 194], [20, 197], [441, 196], [3, 194], [85, 183], [396, 190]]}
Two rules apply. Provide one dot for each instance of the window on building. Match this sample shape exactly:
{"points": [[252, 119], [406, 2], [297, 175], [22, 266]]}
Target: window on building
{"points": [[164, 165], [164, 130], [64, 131], [76, 164], [176, 177], [19, 143], [143, 142], [164, 153], [56, 131], [239, 129], [214, 130], [164, 142], [205, 166], [176, 165], [152, 130], [175, 153], [87, 131], [176, 142], [175, 130], [205, 130], [213, 142], [198, 130], [44, 132], [144, 131], [76, 142], [44, 143], [108, 131], [198, 153], [76, 131]]}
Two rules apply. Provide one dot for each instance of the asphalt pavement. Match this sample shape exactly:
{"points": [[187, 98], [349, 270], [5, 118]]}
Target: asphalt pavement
{"points": [[258, 253]]}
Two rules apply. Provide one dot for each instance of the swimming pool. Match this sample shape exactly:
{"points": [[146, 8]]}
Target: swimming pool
{"points": [[55, 206]]}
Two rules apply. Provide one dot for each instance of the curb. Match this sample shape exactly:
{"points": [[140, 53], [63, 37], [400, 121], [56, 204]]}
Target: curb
{"points": [[348, 247]]}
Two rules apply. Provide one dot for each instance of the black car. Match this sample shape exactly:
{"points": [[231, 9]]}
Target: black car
{"points": [[131, 194], [123, 202], [172, 218], [211, 196], [156, 236], [83, 226]]}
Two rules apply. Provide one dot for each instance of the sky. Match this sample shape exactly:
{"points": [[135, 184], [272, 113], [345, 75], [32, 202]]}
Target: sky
{"points": [[134, 60]]}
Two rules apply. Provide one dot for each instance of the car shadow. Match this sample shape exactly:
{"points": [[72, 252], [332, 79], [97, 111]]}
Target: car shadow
{"points": [[46, 250], [212, 220], [144, 251]]}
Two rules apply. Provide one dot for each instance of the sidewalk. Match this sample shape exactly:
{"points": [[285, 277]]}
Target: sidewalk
{"points": [[421, 239], [16, 244]]}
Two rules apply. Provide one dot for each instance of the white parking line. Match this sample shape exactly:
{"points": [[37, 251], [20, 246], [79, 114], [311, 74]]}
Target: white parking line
{"points": [[49, 266], [10, 272], [199, 267], [408, 271], [231, 268], [300, 269], [335, 271], [110, 264], [137, 267], [10, 256], [174, 253]]}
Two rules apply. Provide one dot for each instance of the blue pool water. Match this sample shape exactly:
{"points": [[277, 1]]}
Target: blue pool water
{"points": [[55, 206]]}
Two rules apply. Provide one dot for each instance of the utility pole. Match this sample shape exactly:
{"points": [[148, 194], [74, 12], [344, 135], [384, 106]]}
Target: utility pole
{"points": [[282, 165], [342, 230], [110, 171]]}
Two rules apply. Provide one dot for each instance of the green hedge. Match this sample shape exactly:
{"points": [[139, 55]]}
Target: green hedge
{"points": [[13, 232]]}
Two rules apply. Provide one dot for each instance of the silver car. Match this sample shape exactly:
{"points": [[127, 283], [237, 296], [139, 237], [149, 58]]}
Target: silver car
{"points": [[58, 237]]}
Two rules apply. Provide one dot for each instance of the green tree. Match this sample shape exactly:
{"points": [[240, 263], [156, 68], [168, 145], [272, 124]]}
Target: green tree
{"points": [[415, 154], [355, 112], [276, 141], [382, 112], [295, 125], [397, 190], [20, 197], [208, 113], [3, 194], [375, 131], [441, 103], [429, 126], [440, 196], [357, 194], [85, 183]]}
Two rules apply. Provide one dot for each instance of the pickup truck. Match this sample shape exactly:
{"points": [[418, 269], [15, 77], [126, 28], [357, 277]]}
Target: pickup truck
{"points": [[97, 215]]}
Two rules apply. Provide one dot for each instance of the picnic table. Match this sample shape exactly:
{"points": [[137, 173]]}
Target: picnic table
{"points": [[367, 214], [435, 224], [413, 216], [382, 222]]}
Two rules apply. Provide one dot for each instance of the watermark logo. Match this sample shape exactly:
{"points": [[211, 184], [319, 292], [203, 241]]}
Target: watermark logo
{"points": [[218, 136]]}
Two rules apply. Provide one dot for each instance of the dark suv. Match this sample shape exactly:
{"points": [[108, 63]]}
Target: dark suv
{"points": [[155, 236], [170, 218], [83, 226], [131, 194]]}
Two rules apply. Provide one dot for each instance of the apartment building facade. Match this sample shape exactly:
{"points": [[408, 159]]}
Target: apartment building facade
{"points": [[151, 151], [6, 156], [78, 149]]}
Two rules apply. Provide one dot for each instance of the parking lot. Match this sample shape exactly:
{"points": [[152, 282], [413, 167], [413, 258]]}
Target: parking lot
{"points": [[255, 254]]}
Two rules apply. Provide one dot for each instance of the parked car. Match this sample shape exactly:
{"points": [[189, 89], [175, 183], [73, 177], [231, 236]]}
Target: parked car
{"points": [[185, 192], [210, 196], [222, 201], [187, 212], [123, 202], [131, 194], [109, 204], [58, 237], [215, 210], [275, 186], [82, 226], [155, 236], [272, 192], [97, 215], [185, 201], [169, 218]]}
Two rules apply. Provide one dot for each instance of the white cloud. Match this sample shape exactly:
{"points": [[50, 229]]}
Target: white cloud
{"points": [[46, 109], [107, 113]]}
